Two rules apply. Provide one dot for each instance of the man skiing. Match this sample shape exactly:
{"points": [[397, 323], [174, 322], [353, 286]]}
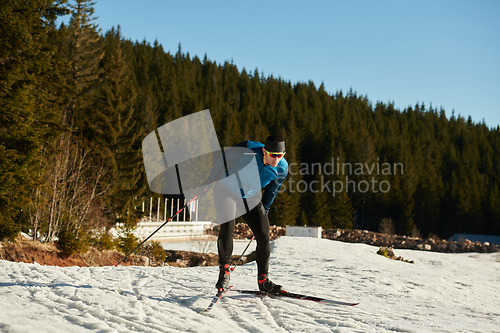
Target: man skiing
{"points": [[273, 169]]}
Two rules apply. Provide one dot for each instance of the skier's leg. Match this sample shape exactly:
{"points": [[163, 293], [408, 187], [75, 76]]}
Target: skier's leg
{"points": [[258, 222], [225, 208], [225, 242], [225, 249]]}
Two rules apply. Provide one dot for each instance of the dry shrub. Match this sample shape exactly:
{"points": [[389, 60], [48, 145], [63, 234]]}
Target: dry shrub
{"points": [[386, 226]]}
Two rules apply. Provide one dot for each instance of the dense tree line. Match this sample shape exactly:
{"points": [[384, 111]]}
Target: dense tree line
{"points": [[76, 104]]}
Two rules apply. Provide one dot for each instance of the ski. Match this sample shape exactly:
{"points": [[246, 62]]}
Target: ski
{"points": [[217, 297], [296, 296]]}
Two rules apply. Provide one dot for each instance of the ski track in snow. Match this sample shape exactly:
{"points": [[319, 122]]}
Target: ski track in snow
{"points": [[439, 293]]}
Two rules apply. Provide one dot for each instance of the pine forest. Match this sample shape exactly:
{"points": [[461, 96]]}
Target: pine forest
{"points": [[76, 103]]}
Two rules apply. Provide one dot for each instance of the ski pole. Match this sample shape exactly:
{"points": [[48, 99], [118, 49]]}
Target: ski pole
{"points": [[144, 241], [232, 268]]}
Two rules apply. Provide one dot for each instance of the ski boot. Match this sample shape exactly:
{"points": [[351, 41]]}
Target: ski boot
{"points": [[224, 275], [266, 285]]}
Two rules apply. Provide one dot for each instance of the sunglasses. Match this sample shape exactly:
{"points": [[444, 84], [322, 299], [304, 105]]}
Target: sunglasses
{"points": [[276, 155]]}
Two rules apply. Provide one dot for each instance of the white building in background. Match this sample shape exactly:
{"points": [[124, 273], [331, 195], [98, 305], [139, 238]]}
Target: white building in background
{"points": [[172, 230], [302, 231], [183, 225]]}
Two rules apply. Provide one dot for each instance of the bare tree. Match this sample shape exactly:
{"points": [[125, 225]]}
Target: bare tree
{"points": [[71, 198], [38, 201], [202, 243], [386, 226], [415, 232]]}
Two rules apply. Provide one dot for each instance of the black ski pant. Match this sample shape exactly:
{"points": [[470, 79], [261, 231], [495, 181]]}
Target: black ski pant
{"points": [[258, 222]]}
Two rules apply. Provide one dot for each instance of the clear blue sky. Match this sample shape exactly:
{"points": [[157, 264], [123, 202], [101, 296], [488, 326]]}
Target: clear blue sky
{"points": [[444, 53]]}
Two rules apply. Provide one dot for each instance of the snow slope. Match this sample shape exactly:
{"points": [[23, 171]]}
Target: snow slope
{"points": [[439, 293]]}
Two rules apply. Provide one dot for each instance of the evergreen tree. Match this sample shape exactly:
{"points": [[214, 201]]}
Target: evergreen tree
{"points": [[342, 212], [84, 51], [76, 174], [115, 129], [321, 208], [28, 86], [428, 199]]}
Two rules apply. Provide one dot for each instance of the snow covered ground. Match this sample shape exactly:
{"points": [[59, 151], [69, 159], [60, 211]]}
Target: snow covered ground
{"points": [[439, 293]]}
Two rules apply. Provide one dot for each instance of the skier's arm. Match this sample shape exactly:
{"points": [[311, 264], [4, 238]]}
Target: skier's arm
{"points": [[272, 189]]}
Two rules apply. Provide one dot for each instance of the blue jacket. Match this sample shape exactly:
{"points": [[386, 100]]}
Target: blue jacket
{"points": [[271, 178]]}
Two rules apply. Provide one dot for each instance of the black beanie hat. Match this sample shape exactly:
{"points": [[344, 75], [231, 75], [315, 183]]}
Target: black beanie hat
{"points": [[275, 144]]}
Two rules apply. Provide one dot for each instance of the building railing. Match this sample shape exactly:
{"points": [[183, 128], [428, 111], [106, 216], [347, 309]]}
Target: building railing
{"points": [[183, 225], [170, 207]]}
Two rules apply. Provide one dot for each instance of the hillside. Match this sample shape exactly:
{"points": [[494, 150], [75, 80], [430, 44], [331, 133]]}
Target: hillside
{"points": [[77, 104]]}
